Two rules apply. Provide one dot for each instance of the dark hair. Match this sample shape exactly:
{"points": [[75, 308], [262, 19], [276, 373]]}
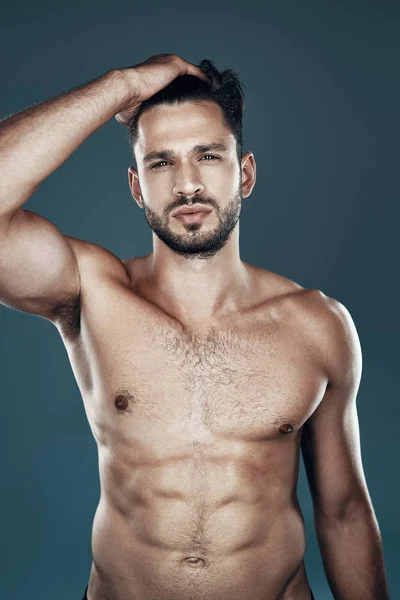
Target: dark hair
{"points": [[224, 88]]}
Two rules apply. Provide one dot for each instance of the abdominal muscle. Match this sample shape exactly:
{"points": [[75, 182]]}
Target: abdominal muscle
{"points": [[174, 531]]}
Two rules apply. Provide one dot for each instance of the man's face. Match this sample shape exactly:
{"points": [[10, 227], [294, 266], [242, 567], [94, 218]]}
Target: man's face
{"points": [[210, 177]]}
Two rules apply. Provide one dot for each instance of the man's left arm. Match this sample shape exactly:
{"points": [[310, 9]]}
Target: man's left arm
{"points": [[346, 526]]}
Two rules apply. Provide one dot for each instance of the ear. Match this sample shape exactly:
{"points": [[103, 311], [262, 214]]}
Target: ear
{"points": [[248, 174], [133, 180]]}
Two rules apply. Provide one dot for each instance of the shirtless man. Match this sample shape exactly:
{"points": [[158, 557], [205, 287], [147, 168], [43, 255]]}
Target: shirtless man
{"points": [[202, 376]]}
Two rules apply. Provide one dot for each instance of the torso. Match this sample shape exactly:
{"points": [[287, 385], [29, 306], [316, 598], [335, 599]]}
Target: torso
{"points": [[198, 433]]}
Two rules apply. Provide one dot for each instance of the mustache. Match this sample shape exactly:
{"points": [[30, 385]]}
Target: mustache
{"points": [[190, 201]]}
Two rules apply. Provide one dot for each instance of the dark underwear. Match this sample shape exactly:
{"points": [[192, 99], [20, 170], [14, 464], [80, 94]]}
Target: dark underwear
{"points": [[86, 598]]}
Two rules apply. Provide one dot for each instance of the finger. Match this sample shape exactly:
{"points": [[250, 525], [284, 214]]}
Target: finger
{"points": [[192, 70], [204, 76], [121, 121]]}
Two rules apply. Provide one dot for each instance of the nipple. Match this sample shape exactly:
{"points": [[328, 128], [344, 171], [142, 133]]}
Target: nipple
{"points": [[287, 428], [121, 403]]}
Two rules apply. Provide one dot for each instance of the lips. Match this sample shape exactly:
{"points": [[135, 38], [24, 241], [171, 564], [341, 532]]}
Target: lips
{"points": [[191, 209]]}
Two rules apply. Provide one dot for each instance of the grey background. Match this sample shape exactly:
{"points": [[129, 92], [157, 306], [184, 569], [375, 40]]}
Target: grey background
{"points": [[321, 117]]}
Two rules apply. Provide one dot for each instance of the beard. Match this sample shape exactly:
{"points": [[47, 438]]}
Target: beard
{"points": [[197, 241]]}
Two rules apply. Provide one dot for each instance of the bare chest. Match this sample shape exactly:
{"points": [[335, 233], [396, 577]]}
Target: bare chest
{"points": [[140, 373]]}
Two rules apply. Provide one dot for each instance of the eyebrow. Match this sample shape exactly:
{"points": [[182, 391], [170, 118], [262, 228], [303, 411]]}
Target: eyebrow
{"points": [[167, 154]]}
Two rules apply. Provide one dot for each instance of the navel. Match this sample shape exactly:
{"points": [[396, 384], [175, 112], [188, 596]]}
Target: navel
{"points": [[287, 428], [194, 561]]}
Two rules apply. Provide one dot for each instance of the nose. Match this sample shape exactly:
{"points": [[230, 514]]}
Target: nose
{"points": [[187, 182]]}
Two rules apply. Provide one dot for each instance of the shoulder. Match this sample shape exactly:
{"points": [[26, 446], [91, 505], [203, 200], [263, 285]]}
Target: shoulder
{"points": [[324, 323], [321, 313], [329, 316], [330, 327]]}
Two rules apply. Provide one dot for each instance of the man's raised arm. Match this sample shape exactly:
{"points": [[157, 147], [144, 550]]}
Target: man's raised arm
{"points": [[38, 267], [37, 140]]}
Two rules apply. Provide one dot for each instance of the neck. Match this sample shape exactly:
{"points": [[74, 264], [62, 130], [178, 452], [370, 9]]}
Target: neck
{"points": [[196, 289]]}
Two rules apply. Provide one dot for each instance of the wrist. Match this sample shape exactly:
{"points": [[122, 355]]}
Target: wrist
{"points": [[126, 83]]}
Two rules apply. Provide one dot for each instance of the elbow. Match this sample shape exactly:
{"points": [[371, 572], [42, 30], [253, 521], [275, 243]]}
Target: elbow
{"points": [[346, 511]]}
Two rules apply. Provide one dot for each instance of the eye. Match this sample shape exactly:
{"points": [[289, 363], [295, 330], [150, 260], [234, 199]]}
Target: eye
{"points": [[213, 157], [157, 165]]}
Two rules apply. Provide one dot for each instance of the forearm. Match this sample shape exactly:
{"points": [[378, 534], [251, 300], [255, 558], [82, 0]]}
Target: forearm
{"points": [[352, 555], [37, 140]]}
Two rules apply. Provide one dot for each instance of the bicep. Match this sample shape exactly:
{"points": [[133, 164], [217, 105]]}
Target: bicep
{"points": [[331, 437], [38, 268]]}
